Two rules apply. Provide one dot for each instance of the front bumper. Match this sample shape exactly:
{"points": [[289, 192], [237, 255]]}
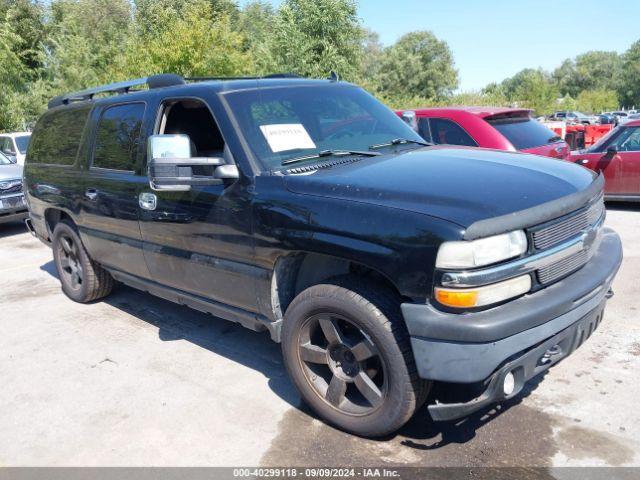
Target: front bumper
{"points": [[485, 346], [13, 213]]}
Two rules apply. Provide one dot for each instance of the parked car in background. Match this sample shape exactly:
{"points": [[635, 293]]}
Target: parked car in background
{"points": [[15, 145], [573, 116], [606, 119], [12, 205], [621, 116], [510, 129], [309, 210], [617, 156]]}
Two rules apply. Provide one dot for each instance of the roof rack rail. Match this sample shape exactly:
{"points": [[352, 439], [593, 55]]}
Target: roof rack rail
{"points": [[263, 77], [153, 81]]}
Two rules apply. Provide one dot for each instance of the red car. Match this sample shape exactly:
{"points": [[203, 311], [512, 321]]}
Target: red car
{"points": [[510, 129], [617, 155]]}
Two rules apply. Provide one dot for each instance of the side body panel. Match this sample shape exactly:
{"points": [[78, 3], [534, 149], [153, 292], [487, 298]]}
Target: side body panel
{"points": [[200, 241], [109, 209]]}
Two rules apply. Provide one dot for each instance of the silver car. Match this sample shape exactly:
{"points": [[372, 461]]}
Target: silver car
{"points": [[12, 204]]}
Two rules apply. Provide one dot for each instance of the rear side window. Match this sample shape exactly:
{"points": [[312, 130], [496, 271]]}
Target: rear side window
{"points": [[450, 133], [524, 132], [118, 137], [57, 136]]}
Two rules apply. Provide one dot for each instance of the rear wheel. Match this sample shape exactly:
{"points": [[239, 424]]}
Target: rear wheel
{"points": [[82, 279], [347, 350]]}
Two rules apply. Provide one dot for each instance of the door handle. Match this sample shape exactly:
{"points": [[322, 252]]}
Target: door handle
{"points": [[91, 194], [147, 201]]}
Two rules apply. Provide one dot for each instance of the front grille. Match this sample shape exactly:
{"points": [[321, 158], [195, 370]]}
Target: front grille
{"points": [[569, 227], [562, 268], [17, 188]]}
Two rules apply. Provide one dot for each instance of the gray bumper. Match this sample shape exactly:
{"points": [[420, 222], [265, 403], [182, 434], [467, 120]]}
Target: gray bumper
{"points": [[13, 215], [467, 348]]}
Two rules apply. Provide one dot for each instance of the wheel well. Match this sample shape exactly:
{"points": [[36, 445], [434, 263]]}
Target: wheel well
{"points": [[296, 272], [52, 216]]}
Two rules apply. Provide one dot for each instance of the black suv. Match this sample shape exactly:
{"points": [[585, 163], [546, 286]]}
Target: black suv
{"points": [[307, 209]]}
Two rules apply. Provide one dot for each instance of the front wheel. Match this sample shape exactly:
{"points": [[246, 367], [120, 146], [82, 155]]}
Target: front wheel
{"points": [[347, 350]]}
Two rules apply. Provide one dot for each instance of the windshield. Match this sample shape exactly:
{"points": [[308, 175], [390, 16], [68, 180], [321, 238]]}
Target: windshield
{"points": [[282, 124], [524, 132], [4, 160], [23, 142]]}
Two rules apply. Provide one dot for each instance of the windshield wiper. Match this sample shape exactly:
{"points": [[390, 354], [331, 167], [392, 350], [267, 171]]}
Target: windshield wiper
{"points": [[330, 153], [399, 141]]}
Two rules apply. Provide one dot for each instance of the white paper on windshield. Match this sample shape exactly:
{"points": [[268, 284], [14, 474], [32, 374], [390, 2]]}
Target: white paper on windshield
{"points": [[287, 136]]}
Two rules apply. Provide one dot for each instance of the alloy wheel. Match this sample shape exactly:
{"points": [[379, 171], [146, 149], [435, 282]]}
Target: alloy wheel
{"points": [[70, 264], [342, 364]]}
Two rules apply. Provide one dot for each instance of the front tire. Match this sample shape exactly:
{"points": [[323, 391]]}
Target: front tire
{"points": [[82, 279], [347, 351]]}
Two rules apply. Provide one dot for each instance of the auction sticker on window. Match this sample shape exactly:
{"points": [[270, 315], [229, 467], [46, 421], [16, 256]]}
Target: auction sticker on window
{"points": [[287, 136]]}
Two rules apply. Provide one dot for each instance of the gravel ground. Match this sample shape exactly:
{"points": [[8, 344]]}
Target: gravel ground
{"points": [[138, 381]]}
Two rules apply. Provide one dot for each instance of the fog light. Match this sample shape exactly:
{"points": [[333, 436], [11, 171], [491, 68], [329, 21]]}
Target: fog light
{"points": [[509, 384]]}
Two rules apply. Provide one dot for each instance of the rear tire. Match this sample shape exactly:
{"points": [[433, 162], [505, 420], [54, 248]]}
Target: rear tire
{"points": [[82, 279], [347, 351]]}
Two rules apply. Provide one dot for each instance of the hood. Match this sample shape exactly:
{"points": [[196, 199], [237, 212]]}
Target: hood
{"points": [[10, 172], [461, 185]]}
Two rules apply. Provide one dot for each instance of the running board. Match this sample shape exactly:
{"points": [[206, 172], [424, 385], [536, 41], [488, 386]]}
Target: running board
{"points": [[252, 321]]}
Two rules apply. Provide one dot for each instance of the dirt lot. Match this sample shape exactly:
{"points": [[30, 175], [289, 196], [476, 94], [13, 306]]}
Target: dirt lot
{"points": [[135, 380]]}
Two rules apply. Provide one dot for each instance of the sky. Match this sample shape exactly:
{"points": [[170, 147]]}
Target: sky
{"points": [[494, 39]]}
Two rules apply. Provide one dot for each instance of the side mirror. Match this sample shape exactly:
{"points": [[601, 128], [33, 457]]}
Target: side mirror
{"points": [[612, 151], [171, 166], [409, 117]]}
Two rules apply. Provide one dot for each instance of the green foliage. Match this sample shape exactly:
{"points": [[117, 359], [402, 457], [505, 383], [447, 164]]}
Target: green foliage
{"points": [[597, 101], [595, 70], [629, 89], [314, 37], [52, 46], [194, 41], [532, 89], [417, 65]]}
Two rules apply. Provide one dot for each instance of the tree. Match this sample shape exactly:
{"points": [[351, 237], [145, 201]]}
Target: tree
{"points": [[533, 89], [594, 70], [314, 37], [195, 39], [629, 89], [595, 101], [257, 24], [418, 64]]}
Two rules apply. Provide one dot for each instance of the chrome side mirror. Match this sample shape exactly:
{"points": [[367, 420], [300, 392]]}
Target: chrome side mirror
{"points": [[171, 166], [409, 117]]}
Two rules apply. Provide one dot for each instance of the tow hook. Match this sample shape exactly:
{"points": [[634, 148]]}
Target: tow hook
{"points": [[552, 352], [609, 294]]}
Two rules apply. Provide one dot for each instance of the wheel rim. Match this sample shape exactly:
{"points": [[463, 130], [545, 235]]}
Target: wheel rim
{"points": [[342, 364], [70, 265]]}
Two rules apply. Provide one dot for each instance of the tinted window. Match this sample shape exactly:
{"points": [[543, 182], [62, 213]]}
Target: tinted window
{"points": [[118, 137], [628, 140], [22, 143], [57, 136], [285, 123], [424, 130], [524, 132], [449, 133]]}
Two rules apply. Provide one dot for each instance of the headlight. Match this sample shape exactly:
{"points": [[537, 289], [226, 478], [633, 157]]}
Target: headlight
{"points": [[485, 251], [483, 296]]}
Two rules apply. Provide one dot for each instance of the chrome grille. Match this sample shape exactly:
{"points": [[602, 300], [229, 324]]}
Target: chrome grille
{"points": [[562, 268], [569, 227], [17, 188]]}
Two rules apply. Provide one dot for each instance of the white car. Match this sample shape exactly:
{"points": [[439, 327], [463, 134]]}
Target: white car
{"points": [[14, 145]]}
